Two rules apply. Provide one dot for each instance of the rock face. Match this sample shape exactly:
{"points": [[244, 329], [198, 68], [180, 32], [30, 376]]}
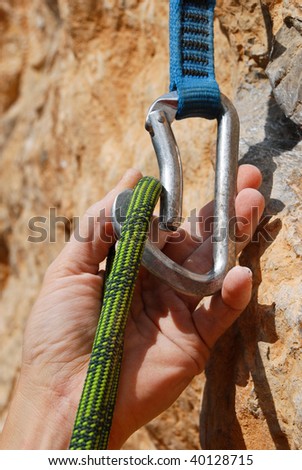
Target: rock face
{"points": [[76, 80], [285, 68]]}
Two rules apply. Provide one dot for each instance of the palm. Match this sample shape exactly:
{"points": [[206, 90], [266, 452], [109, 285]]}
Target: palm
{"points": [[159, 314], [158, 317]]}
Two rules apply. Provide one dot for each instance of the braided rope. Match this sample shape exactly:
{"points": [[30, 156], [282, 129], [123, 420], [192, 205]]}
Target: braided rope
{"points": [[96, 407]]}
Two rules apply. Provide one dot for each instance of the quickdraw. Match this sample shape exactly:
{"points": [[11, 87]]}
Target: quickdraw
{"points": [[193, 93]]}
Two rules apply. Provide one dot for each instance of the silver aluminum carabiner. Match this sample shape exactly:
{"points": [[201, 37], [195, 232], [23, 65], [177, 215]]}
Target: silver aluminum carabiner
{"points": [[158, 123]]}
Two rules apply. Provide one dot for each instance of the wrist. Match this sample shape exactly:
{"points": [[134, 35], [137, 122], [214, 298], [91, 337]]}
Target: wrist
{"points": [[37, 419]]}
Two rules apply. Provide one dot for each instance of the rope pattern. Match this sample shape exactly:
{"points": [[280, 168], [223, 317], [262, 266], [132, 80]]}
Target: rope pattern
{"points": [[95, 411]]}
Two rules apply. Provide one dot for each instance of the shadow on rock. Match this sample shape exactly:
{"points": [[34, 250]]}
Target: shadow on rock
{"points": [[236, 358]]}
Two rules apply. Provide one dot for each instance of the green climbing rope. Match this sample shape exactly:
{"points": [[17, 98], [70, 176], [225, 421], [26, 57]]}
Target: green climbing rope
{"points": [[94, 417]]}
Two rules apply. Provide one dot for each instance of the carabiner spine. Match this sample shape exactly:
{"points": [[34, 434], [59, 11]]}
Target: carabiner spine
{"points": [[224, 250]]}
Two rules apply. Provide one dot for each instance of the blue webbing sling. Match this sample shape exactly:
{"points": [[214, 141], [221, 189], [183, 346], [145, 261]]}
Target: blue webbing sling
{"points": [[192, 72]]}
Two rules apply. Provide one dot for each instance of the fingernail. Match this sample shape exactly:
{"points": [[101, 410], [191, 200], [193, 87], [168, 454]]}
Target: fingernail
{"points": [[250, 274]]}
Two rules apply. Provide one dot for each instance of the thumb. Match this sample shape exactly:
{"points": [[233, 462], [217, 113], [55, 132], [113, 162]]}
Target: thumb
{"points": [[89, 246]]}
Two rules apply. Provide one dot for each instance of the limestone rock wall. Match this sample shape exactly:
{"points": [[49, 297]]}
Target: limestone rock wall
{"points": [[76, 80]]}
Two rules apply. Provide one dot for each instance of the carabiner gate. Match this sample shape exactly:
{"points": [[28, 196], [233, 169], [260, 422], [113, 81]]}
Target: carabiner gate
{"points": [[160, 117]]}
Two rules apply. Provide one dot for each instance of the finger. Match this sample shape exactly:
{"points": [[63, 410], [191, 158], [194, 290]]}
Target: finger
{"points": [[198, 228], [249, 176], [197, 256], [225, 307], [200, 224], [249, 209], [90, 243]]}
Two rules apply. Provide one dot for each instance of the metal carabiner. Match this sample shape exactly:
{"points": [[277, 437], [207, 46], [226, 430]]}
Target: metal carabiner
{"points": [[160, 117]]}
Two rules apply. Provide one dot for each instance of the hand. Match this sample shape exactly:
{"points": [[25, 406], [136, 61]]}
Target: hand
{"points": [[168, 337]]}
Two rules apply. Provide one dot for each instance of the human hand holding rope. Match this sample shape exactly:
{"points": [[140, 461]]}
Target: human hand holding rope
{"points": [[168, 337]]}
